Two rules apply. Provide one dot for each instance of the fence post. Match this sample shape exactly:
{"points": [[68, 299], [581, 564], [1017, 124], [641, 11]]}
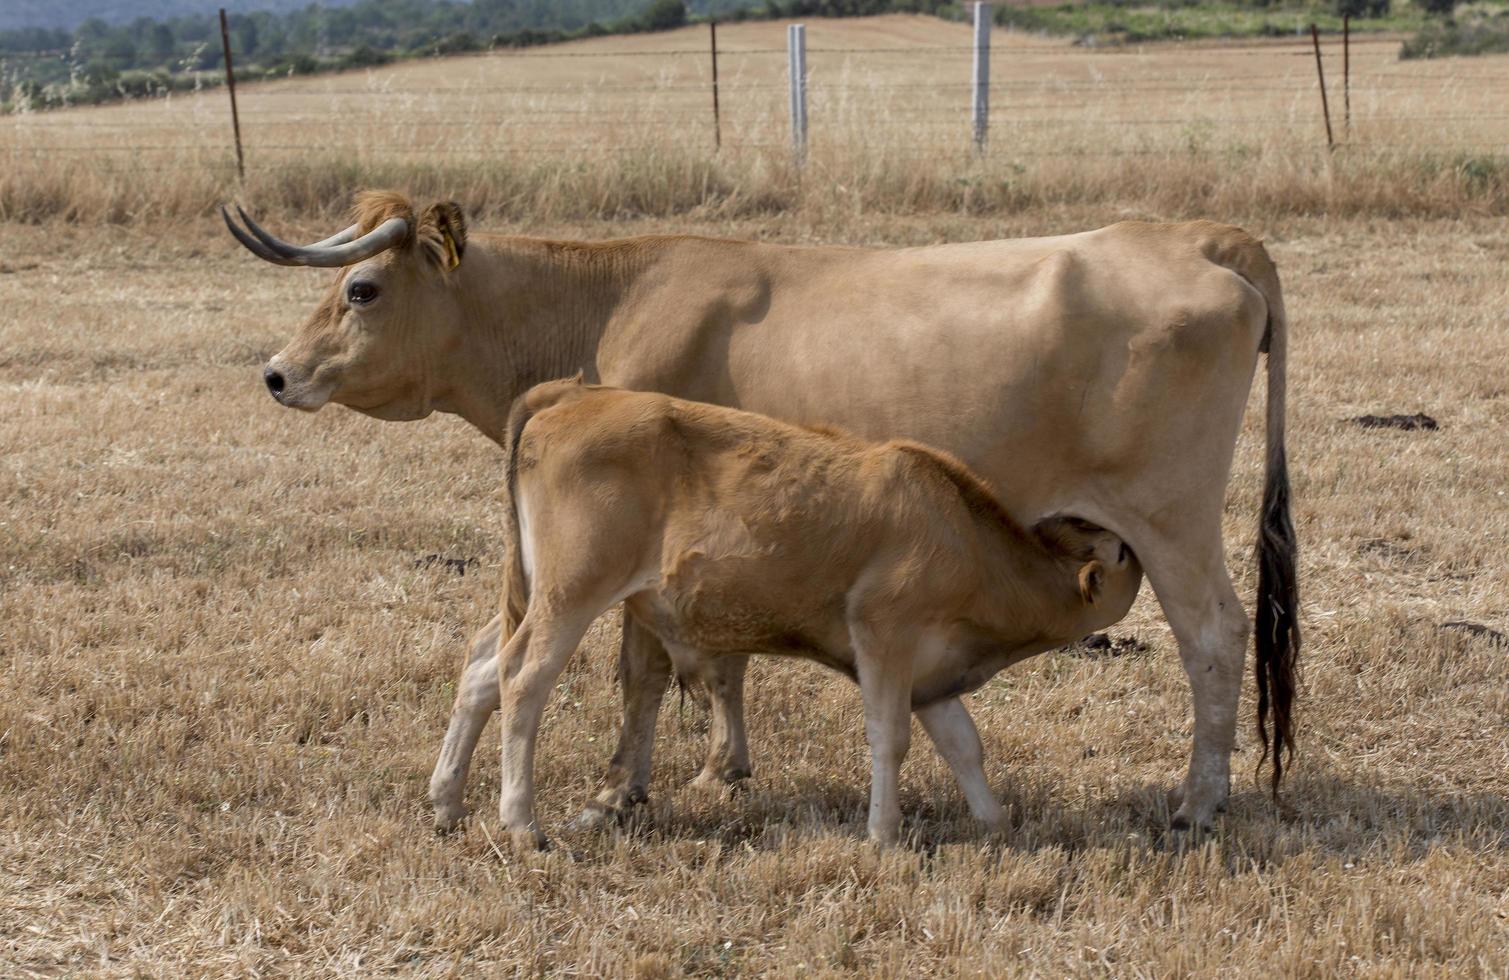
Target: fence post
{"points": [[712, 35], [796, 56], [1320, 72], [1346, 70], [230, 84], [981, 94]]}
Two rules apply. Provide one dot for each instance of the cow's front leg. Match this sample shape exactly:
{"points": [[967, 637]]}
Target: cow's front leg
{"points": [[476, 700]]}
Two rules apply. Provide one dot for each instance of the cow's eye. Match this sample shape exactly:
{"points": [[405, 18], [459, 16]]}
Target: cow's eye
{"points": [[361, 293]]}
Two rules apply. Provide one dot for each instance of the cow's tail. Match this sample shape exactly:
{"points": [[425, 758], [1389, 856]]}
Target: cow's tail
{"points": [[1277, 625]]}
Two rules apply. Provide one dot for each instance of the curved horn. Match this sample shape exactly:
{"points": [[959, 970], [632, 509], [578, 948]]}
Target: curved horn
{"points": [[251, 244], [337, 250]]}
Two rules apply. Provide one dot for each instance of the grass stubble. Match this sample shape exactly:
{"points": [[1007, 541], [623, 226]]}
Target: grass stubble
{"points": [[226, 662]]}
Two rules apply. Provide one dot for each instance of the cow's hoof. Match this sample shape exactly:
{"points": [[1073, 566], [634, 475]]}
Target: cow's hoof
{"points": [[529, 840], [718, 781], [611, 807], [448, 817], [594, 816]]}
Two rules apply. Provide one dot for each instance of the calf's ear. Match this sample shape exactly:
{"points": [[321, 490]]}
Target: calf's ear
{"points": [[442, 231], [1092, 576]]}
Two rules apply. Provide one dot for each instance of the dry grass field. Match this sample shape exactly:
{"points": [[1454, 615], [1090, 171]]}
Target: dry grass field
{"points": [[229, 632], [616, 127]]}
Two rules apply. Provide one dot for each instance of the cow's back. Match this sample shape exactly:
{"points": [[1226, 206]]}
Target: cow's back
{"points": [[1063, 370]]}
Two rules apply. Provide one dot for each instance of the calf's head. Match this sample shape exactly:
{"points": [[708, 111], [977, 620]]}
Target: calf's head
{"points": [[1107, 574], [392, 315]]}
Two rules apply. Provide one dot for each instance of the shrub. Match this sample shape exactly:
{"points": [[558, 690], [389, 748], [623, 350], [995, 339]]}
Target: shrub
{"points": [[1362, 8]]}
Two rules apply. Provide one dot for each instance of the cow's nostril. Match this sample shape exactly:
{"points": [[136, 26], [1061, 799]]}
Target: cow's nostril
{"points": [[274, 381]]}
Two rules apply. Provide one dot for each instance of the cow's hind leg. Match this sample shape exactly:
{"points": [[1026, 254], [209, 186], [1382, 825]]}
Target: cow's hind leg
{"points": [[476, 700], [953, 732], [644, 670], [722, 678], [1195, 591]]}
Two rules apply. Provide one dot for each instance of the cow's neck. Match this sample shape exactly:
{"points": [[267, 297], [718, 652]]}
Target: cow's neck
{"points": [[538, 309]]}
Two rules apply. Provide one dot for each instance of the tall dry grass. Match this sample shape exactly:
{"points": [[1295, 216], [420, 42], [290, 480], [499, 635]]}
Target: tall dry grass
{"points": [[668, 182]]}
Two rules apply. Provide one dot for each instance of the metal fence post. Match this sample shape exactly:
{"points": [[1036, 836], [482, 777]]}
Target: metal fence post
{"points": [[796, 56], [1346, 70], [712, 33], [230, 84], [981, 92], [1320, 72]]}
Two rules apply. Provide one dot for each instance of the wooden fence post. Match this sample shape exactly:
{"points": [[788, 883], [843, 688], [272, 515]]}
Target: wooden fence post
{"points": [[230, 84], [1320, 72]]}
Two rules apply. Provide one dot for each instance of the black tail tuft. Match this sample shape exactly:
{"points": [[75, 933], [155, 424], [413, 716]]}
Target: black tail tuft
{"points": [[1277, 620]]}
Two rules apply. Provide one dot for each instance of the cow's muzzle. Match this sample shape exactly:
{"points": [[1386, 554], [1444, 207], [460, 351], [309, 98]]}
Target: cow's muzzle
{"points": [[292, 387]]}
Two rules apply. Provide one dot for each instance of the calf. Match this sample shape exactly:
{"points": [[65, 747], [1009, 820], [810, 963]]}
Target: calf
{"points": [[727, 533]]}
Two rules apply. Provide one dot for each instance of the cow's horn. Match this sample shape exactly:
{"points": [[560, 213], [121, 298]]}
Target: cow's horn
{"points": [[338, 250]]}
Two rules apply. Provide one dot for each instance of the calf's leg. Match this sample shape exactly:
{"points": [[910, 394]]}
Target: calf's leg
{"points": [[953, 731], [476, 700], [887, 694], [528, 668]]}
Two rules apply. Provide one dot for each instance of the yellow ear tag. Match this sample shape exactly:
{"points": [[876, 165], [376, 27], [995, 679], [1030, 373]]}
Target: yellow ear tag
{"points": [[452, 256]]}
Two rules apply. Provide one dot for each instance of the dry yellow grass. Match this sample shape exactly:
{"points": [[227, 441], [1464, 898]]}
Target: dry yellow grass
{"points": [[226, 662], [623, 126], [225, 666]]}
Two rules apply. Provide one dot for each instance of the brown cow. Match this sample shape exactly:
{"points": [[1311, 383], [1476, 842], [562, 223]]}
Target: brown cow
{"points": [[727, 533], [1101, 375]]}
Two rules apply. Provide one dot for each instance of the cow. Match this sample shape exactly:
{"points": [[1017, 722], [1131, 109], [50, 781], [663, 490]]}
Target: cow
{"points": [[726, 533], [1100, 375]]}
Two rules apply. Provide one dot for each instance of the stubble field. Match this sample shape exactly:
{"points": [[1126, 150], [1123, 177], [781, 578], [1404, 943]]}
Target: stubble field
{"points": [[229, 634]]}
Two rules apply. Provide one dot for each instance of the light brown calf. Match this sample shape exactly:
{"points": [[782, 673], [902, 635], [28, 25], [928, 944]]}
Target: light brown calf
{"points": [[727, 533]]}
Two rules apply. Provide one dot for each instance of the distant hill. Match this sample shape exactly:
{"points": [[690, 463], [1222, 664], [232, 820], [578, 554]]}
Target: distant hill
{"points": [[15, 14]]}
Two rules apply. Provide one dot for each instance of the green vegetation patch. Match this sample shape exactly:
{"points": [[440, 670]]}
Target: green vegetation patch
{"points": [[1131, 23], [1476, 30]]}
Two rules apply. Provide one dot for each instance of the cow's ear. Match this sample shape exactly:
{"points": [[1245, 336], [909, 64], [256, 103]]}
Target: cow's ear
{"points": [[442, 231], [1092, 576]]}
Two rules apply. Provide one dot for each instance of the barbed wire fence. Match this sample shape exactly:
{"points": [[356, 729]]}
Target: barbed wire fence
{"points": [[949, 104]]}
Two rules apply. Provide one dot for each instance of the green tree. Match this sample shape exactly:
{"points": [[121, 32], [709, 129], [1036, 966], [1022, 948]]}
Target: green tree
{"points": [[663, 15]]}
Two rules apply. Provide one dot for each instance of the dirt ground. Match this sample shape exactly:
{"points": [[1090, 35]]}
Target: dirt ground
{"points": [[229, 634]]}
